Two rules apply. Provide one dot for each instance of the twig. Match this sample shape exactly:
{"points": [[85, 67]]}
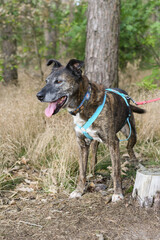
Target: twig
{"points": [[31, 224], [15, 193]]}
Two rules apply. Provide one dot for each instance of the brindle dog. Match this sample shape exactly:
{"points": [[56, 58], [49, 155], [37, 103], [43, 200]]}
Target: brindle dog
{"points": [[66, 87]]}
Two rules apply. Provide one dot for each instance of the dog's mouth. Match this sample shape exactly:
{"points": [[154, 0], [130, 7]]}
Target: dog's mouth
{"points": [[55, 106]]}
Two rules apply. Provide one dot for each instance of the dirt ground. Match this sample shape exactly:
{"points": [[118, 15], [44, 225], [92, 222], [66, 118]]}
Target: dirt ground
{"points": [[40, 216]]}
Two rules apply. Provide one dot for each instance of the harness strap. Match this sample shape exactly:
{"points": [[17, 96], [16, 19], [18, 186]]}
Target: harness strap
{"points": [[130, 131], [84, 132], [98, 111], [95, 115], [125, 97], [83, 103], [92, 119]]}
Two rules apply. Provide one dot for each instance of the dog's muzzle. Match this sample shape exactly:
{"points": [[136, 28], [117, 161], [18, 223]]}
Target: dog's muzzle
{"points": [[40, 96], [54, 106]]}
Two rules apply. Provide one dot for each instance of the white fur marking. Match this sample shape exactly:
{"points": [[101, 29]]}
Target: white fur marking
{"points": [[79, 121], [117, 197]]}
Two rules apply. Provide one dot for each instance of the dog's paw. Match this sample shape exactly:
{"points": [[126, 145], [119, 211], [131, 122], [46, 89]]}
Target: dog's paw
{"points": [[117, 197], [76, 194]]}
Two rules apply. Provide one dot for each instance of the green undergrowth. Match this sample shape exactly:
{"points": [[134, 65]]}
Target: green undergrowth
{"points": [[147, 152], [7, 182], [129, 190]]}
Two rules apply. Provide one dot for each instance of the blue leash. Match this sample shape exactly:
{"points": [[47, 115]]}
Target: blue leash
{"points": [[98, 111]]}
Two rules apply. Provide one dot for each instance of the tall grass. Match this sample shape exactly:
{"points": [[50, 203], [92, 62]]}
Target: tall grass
{"points": [[148, 124], [50, 144]]}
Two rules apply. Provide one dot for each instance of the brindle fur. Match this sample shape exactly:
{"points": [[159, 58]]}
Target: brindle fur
{"points": [[69, 81]]}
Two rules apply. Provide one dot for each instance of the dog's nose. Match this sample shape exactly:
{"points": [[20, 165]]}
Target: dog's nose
{"points": [[40, 96]]}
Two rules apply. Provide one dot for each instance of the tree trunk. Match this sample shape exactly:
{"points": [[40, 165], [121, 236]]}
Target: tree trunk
{"points": [[51, 28], [50, 40], [39, 60], [147, 187], [9, 49], [101, 62]]}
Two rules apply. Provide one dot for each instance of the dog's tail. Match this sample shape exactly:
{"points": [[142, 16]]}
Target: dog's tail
{"points": [[137, 109]]}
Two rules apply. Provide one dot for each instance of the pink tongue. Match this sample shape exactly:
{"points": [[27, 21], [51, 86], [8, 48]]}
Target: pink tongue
{"points": [[50, 109]]}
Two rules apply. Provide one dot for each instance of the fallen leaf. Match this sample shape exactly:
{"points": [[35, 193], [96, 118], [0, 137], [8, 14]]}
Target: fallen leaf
{"points": [[24, 160], [24, 189]]}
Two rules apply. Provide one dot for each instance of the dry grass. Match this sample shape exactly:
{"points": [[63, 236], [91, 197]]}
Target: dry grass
{"points": [[50, 144], [148, 125]]}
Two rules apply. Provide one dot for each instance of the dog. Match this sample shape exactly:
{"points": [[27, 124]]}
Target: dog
{"points": [[66, 87]]}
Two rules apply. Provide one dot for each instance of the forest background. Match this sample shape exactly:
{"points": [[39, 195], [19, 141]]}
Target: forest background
{"points": [[34, 31]]}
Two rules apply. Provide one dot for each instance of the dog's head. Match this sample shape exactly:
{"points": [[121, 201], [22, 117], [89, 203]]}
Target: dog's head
{"points": [[61, 84]]}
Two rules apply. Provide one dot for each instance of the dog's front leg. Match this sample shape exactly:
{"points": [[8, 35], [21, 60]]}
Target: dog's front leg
{"points": [[83, 159], [93, 161], [116, 169]]}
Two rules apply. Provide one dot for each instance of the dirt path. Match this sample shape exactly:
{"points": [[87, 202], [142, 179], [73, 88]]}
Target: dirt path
{"points": [[44, 217]]}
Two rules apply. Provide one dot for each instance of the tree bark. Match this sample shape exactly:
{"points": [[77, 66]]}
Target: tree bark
{"points": [[9, 49], [50, 40], [51, 32], [101, 62]]}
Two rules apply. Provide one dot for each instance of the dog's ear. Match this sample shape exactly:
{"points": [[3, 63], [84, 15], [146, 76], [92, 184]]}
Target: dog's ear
{"points": [[56, 63], [75, 66]]}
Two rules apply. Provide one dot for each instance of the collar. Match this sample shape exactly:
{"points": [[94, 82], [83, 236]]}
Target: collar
{"points": [[83, 103]]}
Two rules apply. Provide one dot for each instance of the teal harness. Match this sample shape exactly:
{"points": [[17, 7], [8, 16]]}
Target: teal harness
{"points": [[98, 111]]}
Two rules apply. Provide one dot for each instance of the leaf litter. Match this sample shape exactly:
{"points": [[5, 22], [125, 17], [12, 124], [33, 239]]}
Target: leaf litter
{"points": [[27, 212]]}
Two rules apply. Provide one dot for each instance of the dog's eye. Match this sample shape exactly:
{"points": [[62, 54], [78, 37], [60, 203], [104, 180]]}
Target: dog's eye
{"points": [[46, 81], [58, 81]]}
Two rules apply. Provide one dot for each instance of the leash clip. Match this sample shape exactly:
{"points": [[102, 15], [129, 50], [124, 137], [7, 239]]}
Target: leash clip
{"points": [[132, 100]]}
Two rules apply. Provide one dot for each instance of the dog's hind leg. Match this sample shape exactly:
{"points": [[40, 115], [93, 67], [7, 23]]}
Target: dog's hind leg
{"points": [[84, 152], [93, 161], [132, 140]]}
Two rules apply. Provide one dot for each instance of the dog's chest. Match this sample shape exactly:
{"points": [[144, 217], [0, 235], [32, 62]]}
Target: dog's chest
{"points": [[79, 122]]}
